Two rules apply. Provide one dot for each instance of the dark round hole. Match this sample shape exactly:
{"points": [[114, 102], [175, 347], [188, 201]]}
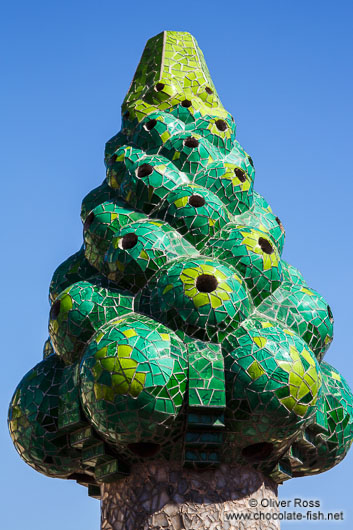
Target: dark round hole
{"points": [[55, 310], [186, 103], [191, 142], [251, 161], [233, 120], [258, 452], [209, 90], [127, 115], [129, 241], [240, 174], [265, 245], [221, 125], [160, 86], [330, 314], [144, 450], [89, 220], [206, 283], [144, 170], [150, 124], [278, 220], [196, 201]]}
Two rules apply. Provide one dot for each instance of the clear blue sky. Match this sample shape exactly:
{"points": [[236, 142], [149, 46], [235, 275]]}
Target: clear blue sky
{"points": [[282, 68]]}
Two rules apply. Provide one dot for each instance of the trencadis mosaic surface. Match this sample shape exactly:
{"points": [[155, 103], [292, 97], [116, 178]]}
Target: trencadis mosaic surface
{"points": [[177, 332]]}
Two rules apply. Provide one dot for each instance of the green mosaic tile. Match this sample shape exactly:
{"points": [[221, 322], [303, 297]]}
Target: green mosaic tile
{"points": [[123, 365], [331, 431], [260, 216], [253, 254], [101, 226], [142, 180], [79, 311], [140, 249], [304, 311], [273, 373], [202, 297], [195, 212], [206, 376], [74, 269], [33, 421]]}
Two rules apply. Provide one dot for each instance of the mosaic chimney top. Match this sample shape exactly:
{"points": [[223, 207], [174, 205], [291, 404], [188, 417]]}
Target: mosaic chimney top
{"points": [[177, 332]]}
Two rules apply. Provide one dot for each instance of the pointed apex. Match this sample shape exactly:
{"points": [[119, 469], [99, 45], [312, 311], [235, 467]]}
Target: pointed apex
{"points": [[172, 70]]}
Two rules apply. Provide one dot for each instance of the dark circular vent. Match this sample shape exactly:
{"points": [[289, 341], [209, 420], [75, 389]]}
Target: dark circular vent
{"points": [[196, 201], [206, 283], [258, 452], [191, 142], [265, 245], [129, 241], [151, 124], [160, 86], [240, 173], [209, 90], [55, 310], [186, 103], [144, 170], [221, 125]]}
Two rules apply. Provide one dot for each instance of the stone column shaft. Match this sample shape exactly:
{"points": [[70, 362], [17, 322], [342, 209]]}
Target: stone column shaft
{"points": [[158, 496]]}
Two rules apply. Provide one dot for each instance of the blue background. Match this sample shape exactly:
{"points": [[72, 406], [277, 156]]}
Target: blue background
{"points": [[282, 68]]}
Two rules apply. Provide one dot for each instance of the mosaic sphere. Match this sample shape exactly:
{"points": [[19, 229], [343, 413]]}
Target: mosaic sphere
{"points": [[34, 421], [133, 381], [200, 296]]}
